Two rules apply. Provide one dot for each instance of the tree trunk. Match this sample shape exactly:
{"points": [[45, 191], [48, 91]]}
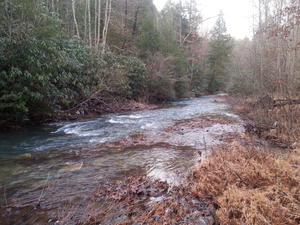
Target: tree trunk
{"points": [[126, 14], [99, 22], [134, 28], [95, 24], [89, 21], [106, 23], [74, 17], [125, 24], [85, 20]]}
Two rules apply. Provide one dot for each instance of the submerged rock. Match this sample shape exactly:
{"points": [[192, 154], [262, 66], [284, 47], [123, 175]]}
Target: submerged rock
{"points": [[25, 156], [71, 168]]}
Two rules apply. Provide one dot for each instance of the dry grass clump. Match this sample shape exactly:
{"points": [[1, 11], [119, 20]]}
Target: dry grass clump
{"points": [[283, 122], [279, 124], [251, 187]]}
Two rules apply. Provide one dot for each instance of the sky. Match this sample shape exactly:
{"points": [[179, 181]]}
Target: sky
{"points": [[238, 15]]}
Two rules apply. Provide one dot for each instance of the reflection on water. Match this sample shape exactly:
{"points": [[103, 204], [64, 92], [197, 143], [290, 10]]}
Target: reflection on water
{"points": [[57, 161]]}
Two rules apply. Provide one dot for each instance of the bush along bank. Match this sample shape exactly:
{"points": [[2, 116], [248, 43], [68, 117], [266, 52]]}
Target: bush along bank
{"points": [[61, 80]]}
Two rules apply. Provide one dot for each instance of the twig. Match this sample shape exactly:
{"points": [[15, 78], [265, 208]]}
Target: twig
{"points": [[41, 195], [240, 178], [205, 145], [147, 216], [234, 173], [204, 141], [279, 103], [83, 102], [4, 194], [237, 175], [185, 38]]}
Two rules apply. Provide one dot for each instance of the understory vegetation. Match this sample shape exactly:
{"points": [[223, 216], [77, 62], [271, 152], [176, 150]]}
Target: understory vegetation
{"points": [[57, 54]]}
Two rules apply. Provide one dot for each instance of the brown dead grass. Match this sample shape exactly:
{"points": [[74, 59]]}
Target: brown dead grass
{"points": [[251, 186], [282, 123]]}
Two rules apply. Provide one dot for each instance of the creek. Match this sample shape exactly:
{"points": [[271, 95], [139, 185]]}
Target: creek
{"points": [[57, 162]]}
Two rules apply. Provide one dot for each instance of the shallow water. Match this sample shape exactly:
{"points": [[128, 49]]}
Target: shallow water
{"points": [[106, 128], [63, 156]]}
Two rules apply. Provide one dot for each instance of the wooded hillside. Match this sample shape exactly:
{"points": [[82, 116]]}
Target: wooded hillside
{"points": [[56, 54]]}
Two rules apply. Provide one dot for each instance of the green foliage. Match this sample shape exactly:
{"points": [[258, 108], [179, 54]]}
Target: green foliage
{"points": [[220, 48], [39, 77], [181, 88], [149, 40], [240, 85], [198, 80], [173, 21], [28, 17], [135, 76], [161, 89], [45, 69]]}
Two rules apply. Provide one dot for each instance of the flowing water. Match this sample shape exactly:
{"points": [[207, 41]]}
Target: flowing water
{"points": [[68, 159]]}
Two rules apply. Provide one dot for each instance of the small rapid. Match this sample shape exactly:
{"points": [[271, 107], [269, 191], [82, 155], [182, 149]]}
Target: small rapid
{"points": [[107, 128]]}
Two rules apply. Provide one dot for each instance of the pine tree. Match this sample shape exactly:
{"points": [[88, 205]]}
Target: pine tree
{"points": [[148, 40], [220, 48]]}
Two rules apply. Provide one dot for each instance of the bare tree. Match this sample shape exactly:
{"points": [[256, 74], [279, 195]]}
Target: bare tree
{"points": [[74, 17], [106, 23], [85, 20], [89, 22], [99, 22]]}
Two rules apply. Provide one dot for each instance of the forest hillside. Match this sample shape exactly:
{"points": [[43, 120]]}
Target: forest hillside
{"points": [[64, 58]]}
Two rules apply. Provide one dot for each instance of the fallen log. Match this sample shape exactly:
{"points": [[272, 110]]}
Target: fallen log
{"points": [[268, 102], [279, 103], [256, 129]]}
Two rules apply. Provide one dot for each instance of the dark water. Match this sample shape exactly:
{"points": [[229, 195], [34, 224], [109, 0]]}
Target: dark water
{"points": [[40, 157]]}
